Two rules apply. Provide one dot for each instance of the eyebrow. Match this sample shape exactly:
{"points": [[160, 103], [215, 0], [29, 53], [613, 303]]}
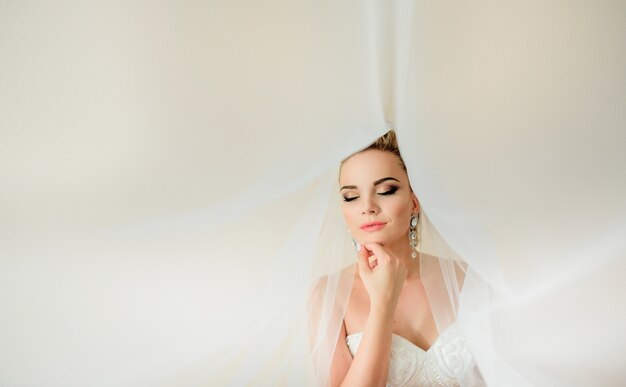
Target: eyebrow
{"points": [[377, 182]]}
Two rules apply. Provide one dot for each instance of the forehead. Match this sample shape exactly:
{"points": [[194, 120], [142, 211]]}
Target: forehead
{"points": [[368, 166]]}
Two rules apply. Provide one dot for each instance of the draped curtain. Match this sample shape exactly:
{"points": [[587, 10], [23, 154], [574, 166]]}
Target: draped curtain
{"points": [[168, 171]]}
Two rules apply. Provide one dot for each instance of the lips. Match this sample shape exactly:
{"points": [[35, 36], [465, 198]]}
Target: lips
{"points": [[372, 226]]}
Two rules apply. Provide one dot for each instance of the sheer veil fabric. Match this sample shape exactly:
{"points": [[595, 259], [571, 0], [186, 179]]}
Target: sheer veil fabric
{"points": [[169, 203]]}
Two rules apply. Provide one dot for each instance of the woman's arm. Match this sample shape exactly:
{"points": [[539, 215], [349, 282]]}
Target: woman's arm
{"points": [[370, 365]]}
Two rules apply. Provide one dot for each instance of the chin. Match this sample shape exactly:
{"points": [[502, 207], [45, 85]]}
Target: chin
{"points": [[373, 239]]}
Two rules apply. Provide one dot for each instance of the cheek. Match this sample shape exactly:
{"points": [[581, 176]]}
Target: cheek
{"points": [[401, 212], [353, 219], [348, 216]]}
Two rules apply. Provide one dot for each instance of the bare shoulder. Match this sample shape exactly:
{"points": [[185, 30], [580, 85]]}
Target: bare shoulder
{"points": [[328, 298], [344, 273], [335, 286], [444, 268]]}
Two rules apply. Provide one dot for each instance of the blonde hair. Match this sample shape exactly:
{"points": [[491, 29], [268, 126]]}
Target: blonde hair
{"points": [[386, 143]]}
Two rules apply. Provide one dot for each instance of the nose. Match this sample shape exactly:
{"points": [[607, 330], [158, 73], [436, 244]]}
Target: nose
{"points": [[369, 207]]}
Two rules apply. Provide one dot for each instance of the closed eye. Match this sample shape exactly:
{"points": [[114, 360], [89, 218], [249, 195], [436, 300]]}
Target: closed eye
{"points": [[390, 191]]}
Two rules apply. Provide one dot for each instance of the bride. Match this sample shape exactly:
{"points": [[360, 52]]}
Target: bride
{"points": [[388, 334], [166, 185]]}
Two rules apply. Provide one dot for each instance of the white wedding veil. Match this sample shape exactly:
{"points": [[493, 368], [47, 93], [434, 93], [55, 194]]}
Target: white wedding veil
{"points": [[168, 184]]}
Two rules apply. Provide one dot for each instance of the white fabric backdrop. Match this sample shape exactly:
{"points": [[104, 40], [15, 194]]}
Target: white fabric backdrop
{"points": [[159, 159]]}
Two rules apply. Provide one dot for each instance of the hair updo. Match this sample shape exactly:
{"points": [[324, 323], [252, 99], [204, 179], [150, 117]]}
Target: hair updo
{"points": [[386, 143]]}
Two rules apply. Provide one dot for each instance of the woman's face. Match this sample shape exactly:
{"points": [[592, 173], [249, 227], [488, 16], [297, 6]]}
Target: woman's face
{"points": [[377, 202]]}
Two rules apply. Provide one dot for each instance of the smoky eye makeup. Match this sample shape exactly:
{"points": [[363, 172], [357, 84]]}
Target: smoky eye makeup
{"points": [[384, 192], [389, 190]]}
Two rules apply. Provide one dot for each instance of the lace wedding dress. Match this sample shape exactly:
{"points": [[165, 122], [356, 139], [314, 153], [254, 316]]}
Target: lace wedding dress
{"points": [[445, 363]]}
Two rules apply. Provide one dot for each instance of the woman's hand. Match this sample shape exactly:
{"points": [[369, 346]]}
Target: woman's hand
{"points": [[383, 277]]}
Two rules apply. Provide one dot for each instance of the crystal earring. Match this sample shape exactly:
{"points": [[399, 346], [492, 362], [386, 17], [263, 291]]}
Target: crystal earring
{"points": [[357, 245], [413, 234]]}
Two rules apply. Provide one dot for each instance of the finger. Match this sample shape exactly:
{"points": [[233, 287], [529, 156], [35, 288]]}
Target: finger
{"points": [[371, 258], [363, 260], [373, 261], [378, 251]]}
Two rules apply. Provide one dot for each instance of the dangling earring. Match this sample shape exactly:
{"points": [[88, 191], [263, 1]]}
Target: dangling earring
{"points": [[413, 234], [357, 245]]}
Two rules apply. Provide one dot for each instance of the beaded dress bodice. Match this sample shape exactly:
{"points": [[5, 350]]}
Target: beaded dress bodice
{"points": [[446, 362]]}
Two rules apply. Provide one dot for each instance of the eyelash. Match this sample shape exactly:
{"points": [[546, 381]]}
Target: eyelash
{"points": [[391, 191]]}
